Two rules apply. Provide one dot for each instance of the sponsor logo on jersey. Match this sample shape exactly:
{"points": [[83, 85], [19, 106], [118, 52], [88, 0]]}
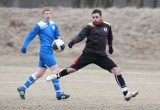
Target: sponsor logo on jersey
{"points": [[53, 27], [105, 29]]}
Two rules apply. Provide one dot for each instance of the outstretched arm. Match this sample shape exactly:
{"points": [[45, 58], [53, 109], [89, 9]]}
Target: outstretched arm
{"points": [[83, 33], [31, 35]]}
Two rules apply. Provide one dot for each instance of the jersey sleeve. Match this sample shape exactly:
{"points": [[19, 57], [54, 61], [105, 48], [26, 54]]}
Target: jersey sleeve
{"points": [[83, 33], [31, 35], [57, 33], [110, 37]]}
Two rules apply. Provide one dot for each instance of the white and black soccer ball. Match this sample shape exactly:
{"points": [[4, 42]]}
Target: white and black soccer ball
{"points": [[58, 45]]}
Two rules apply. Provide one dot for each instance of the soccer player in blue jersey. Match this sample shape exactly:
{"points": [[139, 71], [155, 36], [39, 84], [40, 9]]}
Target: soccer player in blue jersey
{"points": [[48, 32], [98, 34]]}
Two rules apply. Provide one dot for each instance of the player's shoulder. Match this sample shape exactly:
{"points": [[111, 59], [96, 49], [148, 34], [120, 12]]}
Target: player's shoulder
{"points": [[52, 22], [107, 23], [42, 24], [91, 24]]}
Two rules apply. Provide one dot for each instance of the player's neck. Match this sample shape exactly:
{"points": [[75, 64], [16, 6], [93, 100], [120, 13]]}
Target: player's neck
{"points": [[99, 24], [46, 20]]}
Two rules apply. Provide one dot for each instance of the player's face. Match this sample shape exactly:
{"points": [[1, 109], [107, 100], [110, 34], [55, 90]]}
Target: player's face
{"points": [[96, 18], [47, 15]]}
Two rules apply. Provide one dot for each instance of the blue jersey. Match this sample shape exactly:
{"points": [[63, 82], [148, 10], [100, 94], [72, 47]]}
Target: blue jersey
{"points": [[47, 31]]}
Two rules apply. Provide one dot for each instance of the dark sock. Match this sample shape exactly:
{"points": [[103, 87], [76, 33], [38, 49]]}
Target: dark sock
{"points": [[62, 73], [121, 83]]}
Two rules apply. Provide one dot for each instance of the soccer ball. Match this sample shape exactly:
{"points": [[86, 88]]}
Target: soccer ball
{"points": [[58, 45]]}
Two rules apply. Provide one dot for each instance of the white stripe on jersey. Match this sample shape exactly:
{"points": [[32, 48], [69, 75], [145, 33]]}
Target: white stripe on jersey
{"points": [[43, 24]]}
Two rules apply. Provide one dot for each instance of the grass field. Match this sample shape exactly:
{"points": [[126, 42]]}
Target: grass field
{"points": [[90, 88]]}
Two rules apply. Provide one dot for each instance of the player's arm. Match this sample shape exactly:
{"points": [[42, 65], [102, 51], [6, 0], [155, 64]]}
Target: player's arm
{"points": [[31, 35], [57, 33], [110, 39], [81, 36]]}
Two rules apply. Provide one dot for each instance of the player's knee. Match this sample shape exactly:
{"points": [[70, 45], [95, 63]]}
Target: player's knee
{"points": [[71, 70], [116, 70]]}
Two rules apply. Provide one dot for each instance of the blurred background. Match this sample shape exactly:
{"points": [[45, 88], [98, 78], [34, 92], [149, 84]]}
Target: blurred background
{"points": [[135, 25], [80, 3], [136, 31]]}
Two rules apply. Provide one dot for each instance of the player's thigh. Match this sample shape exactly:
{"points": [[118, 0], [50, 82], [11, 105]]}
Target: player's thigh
{"points": [[82, 61], [106, 63]]}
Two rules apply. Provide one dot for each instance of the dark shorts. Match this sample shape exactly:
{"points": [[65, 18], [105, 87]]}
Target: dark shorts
{"points": [[87, 58]]}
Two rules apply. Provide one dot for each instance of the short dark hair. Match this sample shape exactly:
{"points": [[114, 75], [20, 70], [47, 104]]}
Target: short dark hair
{"points": [[97, 11]]}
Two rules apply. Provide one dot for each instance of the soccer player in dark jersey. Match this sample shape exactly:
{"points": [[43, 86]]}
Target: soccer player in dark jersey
{"points": [[98, 34], [47, 31]]}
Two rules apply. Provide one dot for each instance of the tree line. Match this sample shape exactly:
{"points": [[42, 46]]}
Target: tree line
{"points": [[80, 3]]}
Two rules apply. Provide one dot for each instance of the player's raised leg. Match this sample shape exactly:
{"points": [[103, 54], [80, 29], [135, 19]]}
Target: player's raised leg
{"points": [[62, 73]]}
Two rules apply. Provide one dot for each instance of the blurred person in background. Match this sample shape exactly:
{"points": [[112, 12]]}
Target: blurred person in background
{"points": [[48, 32], [99, 35]]}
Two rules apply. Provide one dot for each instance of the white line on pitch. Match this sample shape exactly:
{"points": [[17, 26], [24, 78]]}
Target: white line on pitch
{"points": [[84, 81]]}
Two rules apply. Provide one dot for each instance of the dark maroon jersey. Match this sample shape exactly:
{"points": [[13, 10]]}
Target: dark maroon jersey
{"points": [[97, 38]]}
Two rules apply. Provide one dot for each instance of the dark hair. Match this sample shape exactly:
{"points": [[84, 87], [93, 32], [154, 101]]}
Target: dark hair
{"points": [[97, 11]]}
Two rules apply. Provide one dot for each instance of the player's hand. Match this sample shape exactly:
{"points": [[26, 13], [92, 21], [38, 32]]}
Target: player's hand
{"points": [[110, 50], [71, 43], [24, 50]]}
